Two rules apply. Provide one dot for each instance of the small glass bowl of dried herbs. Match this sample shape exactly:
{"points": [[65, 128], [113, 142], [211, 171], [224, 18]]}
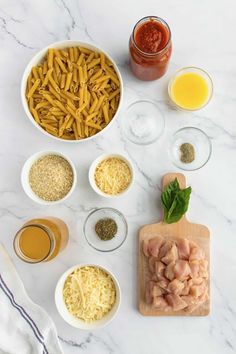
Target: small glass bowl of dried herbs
{"points": [[105, 229], [190, 148]]}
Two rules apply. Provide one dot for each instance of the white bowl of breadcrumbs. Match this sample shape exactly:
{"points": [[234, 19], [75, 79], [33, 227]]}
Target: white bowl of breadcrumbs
{"points": [[48, 177]]}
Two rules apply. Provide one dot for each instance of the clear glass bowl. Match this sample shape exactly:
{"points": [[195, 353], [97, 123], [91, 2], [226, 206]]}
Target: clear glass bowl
{"points": [[199, 140], [93, 239], [143, 122], [191, 69]]}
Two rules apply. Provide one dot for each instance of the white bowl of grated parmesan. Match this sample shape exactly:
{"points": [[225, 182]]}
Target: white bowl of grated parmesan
{"points": [[87, 296], [48, 177], [111, 175]]}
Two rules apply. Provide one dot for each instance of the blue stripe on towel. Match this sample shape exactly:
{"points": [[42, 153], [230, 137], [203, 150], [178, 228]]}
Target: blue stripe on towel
{"points": [[23, 313]]}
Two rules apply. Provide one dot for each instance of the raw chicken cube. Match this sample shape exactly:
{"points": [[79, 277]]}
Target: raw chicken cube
{"points": [[159, 269], [196, 253], [183, 248], [154, 246], [176, 302], [194, 266], [175, 287], [169, 271], [171, 255], [151, 264], [166, 246], [157, 291], [160, 303], [163, 284], [182, 269]]}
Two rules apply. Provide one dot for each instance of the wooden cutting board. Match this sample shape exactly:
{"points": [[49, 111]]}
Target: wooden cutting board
{"points": [[182, 229]]}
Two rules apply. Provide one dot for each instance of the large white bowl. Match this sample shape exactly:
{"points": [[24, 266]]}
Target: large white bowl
{"points": [[25, 177], [76, 322], [37, 59]]}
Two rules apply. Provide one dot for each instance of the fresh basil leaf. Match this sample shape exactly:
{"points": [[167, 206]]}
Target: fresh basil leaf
{"points": [[169, 192], [175, 202]]}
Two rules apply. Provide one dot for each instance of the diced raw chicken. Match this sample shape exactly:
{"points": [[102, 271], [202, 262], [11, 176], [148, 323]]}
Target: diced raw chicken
{"points": [[176, 302], [194, 266], [181, 269], [178, 272], [154, 277], [157, 291], [160, 268], [191, 308], [183, 248], [192, 303], [163, 284], [185, 290], [204, 297], [197, 290], [197, 281], [169, 271], [145, 248], [159, 303], [175, 287], [196, 253], [164, 249], [203, 268], [154, 246], [189, 299], [171, 255], [151, 264]]}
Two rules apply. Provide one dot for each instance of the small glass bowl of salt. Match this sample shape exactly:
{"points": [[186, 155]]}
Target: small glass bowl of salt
{"points": [[143, 122]]}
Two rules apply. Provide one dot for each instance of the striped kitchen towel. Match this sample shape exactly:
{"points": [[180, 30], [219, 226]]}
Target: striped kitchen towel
{"points": [[25, 328]]}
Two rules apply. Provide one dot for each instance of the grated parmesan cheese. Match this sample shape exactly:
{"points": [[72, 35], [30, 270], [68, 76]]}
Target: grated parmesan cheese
{"points": [[112, 176], [89, 293]]}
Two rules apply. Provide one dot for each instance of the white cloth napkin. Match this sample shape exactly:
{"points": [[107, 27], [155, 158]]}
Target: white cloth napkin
{"points": [[25, 328]]}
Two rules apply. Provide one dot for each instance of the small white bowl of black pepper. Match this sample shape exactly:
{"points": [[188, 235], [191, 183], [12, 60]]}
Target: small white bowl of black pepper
{"points": [[48, 177], [105, 229]]}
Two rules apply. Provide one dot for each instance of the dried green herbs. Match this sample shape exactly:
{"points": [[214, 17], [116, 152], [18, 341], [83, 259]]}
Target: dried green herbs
{"points": [[106, 229], [187, 153]]}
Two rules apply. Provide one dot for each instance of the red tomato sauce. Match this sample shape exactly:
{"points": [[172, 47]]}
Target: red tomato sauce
{"points": [[150, 48], [151, 37]]}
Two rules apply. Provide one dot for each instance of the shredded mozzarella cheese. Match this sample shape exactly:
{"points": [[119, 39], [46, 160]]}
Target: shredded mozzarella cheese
{"points": [[89, 293]]}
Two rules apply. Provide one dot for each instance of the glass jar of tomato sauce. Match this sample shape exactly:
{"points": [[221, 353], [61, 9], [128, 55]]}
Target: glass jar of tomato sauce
{"points": [[150, 48]]}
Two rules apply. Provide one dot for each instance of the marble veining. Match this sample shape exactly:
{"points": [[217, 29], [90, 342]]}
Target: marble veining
{"points": [[203, 35]]}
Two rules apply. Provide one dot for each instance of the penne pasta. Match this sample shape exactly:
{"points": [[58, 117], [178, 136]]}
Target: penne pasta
{"points": [[33, 88], [68, 81], [73, 93], [61, 64], [50, 58], [105, 113]]}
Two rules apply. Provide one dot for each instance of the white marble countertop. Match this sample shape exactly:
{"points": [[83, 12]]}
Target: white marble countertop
{"points": [[203, 35]]}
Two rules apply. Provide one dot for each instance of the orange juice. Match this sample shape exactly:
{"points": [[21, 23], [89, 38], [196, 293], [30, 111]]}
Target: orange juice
{"points": [[189, 91]]}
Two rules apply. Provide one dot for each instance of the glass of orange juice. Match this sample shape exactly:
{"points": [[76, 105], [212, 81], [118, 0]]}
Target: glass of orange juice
{"points": [[190, 89], [40, 240]]}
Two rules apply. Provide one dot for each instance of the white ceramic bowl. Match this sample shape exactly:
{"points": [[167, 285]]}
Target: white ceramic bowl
{"points": [[92, 173], [38, 57], [75, 322], [25, 177]]}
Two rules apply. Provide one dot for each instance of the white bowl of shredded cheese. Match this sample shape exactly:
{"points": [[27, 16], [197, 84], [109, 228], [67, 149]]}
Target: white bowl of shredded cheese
{"points": [[87, 296], [111, 175]]}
